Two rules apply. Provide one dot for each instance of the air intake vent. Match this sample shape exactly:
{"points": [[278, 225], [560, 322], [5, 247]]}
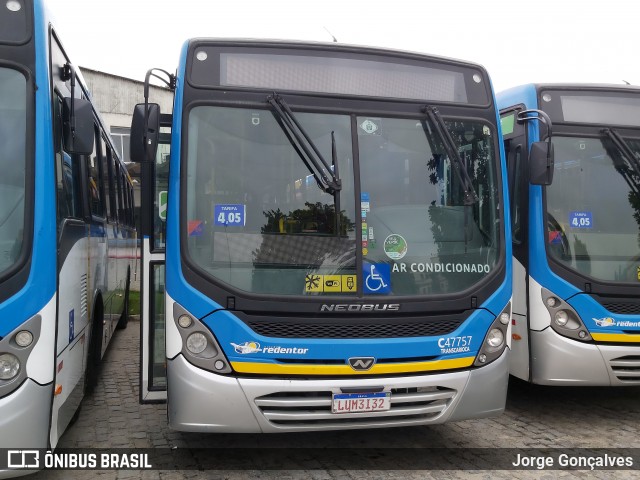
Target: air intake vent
{"points": [[626, 369], [623, 308], [348, 329], [305, 409]]}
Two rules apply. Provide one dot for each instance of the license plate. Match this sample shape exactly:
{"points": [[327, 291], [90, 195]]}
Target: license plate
{"points": [[360, 402]]}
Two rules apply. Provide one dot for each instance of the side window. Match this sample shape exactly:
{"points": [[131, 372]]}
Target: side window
{"points": [[107, 182], [118, 177], [131, 208], [121, 137], [125, 198], [66, 172], [95, 184], [113, 172]]}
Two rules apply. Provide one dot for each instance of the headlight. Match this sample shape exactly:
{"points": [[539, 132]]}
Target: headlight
{"points": [[552, 302], [495, 338], [564, 320], [9, 366], [561, 318], [196, 343], [24, 338], [494, 342], [199, 345], [185, 321]]}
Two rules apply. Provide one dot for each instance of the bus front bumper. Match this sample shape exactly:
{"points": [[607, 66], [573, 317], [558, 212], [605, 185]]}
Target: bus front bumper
{"points": [[24, 416], [24, 421], [557, 360], [201, 401]]}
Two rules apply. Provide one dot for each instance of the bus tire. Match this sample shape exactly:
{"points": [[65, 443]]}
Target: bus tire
{"points": [[94, 354], [124, 317]]}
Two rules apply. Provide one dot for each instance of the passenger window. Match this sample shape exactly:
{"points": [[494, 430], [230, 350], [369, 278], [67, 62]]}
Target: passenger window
{"points": [[66, 171], [93, 170], [107, 181]]}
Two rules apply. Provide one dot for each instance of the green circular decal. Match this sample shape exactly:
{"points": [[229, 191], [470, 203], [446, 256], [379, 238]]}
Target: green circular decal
{"points": [[395, 246]]}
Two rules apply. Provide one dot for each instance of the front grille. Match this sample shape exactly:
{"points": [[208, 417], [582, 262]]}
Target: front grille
{"points": [[354, 330], [307, 409], [626, 369], [623, 308]]}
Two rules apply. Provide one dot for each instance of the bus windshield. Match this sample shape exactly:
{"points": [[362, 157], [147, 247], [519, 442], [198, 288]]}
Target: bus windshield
{"points": [[592, 179], [13, 101], [257, 220]]}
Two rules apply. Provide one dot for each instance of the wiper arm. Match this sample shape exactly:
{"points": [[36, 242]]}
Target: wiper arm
{"points": [[470, 195], [628, 156], [327, 180]]}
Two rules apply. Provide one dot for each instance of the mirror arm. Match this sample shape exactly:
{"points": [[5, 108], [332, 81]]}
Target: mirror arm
{"points": [[170, 82], [526, 115], [69, 73]]}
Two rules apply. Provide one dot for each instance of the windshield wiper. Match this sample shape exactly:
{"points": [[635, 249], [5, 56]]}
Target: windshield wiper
{"points": [[470, 195], [326, 178], [628, 156]]}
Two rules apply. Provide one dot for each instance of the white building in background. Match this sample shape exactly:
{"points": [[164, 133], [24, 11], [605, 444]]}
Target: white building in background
{"points": [[115, 97]]}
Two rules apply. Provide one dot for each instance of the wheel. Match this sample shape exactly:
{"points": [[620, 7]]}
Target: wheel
{"points": [[94, 354], [124, 317]]}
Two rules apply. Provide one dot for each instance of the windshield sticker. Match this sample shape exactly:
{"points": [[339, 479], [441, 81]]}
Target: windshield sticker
{"points": [[195, 228], [441, 268], [455, 344], [330, 283], [580, 220], [377, 277], [254, 347], [162, 205], [369, 127], [610, 322], [395, 246], [230, 215]]}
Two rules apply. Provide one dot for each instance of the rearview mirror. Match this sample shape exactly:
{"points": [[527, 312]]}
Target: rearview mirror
{"points": [[145, 129], [78, 126], [541, 163]]}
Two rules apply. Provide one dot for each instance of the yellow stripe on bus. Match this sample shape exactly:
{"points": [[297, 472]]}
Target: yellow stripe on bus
{"points": [[377, 369], [616, 337]]}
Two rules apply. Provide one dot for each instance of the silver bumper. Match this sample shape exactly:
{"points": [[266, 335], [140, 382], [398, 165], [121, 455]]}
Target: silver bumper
{"points": [[24, 420], [557, 360], [200, 401]]}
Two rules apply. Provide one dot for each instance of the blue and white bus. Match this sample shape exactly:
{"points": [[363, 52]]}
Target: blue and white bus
{"points": [[66, 232], [576, 254], [336, 248]]}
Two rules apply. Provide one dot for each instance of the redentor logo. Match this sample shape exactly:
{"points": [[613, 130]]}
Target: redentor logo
{"points": [[362, 363]]}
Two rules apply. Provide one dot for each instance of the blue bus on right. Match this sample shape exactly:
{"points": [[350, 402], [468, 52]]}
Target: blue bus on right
{"points": [[576, 232]]}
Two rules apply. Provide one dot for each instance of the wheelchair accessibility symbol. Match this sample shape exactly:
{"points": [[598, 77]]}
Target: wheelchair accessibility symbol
{"points": [[377, 278]]}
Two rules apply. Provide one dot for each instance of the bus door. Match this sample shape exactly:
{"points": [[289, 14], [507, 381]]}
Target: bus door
{"points": [[155, 180], [516, 150]]}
